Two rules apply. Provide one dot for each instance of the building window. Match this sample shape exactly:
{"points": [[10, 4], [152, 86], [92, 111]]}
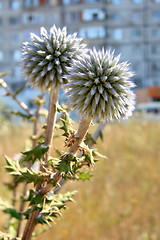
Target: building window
{"points": [[66, 2], [156, 1], [33, 19], [117, 34], [16, 55], [43, 2], [1, 56], [136, 33], [14, 20], [92, 32], [116, 1], [156, 32], [137, 68], [137, 1], [155, 49], [93, 14], [30, 3], [14, 4], [137, 51], [156, 68], [53, 2], [15, 38], [136, 17], [54, 19], [156, 15], [72, 16], [115, 17]]}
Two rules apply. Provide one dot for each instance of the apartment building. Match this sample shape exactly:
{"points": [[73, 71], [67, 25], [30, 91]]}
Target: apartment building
{"points": [[131, 27]]}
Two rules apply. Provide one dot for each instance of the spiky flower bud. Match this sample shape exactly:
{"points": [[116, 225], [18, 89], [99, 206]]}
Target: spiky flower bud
{"points": [[46, 58], [99, 86]]}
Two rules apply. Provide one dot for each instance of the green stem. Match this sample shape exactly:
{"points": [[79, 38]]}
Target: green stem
{"points": [[80, 135], [34, 142], [52, 110]]}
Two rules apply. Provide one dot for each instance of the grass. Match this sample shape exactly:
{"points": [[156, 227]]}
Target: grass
{"points": [[122, 201]]}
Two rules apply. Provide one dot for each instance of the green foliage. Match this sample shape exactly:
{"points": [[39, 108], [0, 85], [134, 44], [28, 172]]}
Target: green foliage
{"points": [[36, 153], [13, 213], [24, 174], [66, 121], [49, 206], [66, 166]]}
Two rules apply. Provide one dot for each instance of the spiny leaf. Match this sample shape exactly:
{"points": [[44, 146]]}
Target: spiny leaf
{"points": [[35, 153], [13, 213], [35, 199], [12, 166]]}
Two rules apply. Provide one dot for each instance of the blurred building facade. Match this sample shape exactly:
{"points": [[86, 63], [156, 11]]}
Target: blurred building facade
{"points": [[131, 27]]}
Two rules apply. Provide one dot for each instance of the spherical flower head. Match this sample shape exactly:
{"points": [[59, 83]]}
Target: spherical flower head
{"points": [[99, 86], [46, 57]]}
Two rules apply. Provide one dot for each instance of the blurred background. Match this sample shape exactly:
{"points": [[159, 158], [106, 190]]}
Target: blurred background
{"points": [[122, 202], [130, 27]]}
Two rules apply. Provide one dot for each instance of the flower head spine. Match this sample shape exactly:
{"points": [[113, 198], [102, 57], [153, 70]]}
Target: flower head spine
{"points": [[46, 57], [99, 86]]}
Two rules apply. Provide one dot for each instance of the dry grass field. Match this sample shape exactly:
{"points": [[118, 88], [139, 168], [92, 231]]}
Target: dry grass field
{"points": [[122, 201]]}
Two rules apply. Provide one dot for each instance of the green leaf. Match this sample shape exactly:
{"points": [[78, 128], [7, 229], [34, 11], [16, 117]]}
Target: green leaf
{"points": [[12, 166], [66, 121], [35, 153], [57, 152], [13, 213], [84, 176], [65, 167], [35, 199]]}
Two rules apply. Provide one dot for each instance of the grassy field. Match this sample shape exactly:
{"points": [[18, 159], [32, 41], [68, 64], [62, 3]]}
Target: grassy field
{"points": [[122, 201]]}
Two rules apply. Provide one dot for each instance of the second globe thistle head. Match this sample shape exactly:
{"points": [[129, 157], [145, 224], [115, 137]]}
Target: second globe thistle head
{"points": [[99, 86], [46, 57]]}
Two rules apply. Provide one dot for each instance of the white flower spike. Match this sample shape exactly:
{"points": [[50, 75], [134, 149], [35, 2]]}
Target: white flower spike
{"points": [[46, 57], [99, 86]]}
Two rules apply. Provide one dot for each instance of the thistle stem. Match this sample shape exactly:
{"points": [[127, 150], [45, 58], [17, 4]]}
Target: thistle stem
{"points": [[4, 85], [79, 137], [90, 144], [52, 112], [80, 134], [34, 142]]}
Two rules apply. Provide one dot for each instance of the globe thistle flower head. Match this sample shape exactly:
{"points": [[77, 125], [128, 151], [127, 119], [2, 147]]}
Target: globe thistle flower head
{"points": [[99, 86], [46, 57]]}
